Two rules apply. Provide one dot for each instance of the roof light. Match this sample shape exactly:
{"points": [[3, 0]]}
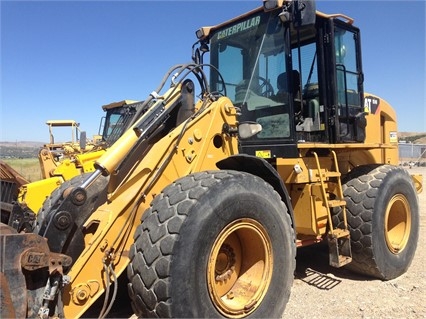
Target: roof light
{"points": [[203, 32], [272, 4], [199, 33]]}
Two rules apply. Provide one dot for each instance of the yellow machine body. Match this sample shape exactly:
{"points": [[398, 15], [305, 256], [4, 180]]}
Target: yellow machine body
{"points": [[205, 202]]}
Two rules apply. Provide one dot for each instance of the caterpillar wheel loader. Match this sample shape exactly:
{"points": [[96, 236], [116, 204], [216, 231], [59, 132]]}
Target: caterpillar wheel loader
{"points": [[56, 158], [203, 202], [60, 162]]}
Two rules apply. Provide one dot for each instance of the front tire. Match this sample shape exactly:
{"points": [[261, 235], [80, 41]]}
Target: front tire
{"points": [[383, 218], [213, 244]]}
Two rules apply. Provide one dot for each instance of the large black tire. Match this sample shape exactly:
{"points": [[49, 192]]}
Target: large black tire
{"points": [[74, 244], [196, 239], [54, 200], [96, 196], [383, 218]]}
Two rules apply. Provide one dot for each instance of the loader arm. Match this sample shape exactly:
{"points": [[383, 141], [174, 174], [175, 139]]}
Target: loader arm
{"points": [[93, 220], [116, 220], [196, 144]]}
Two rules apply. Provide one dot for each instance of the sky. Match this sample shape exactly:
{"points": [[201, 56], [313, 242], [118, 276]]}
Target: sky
{"points": [[65, 59]]}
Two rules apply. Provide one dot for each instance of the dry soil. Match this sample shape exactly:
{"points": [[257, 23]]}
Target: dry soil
{"points": [[321, 291]]}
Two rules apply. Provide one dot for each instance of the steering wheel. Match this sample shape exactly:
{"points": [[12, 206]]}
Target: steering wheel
{"points": [[266, 88]]}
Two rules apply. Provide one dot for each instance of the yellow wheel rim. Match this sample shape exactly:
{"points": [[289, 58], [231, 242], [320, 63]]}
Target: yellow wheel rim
{"points": [[397, 223], [240, 268]]}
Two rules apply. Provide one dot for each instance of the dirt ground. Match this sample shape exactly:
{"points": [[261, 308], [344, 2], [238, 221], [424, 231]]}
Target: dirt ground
{"points": [[321, 291]]}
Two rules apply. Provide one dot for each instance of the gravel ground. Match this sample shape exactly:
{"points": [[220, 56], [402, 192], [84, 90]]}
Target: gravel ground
{"points": [[321, 291]]}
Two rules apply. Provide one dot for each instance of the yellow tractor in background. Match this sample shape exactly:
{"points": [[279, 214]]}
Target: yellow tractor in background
{"points": [[61, 161], [203, 203], [53, 154]]}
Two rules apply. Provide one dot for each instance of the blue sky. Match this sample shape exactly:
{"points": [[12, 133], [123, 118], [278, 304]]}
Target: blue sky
{"points": [[65, 59]]}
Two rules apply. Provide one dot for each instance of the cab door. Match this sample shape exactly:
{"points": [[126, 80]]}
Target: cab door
{"points": [[345, 78]]}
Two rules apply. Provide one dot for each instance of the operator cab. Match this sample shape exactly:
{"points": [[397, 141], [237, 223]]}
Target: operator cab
{"points": [[302, 82], [117, 119]]}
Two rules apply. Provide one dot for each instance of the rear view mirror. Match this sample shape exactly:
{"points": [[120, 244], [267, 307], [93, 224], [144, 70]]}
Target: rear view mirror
{"points": [[304, 12], [301, 12], [83, 140]]}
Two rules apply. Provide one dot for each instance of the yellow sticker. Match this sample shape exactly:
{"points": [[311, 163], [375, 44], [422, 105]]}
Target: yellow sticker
{"points": [[263, 154], [393, 136]]}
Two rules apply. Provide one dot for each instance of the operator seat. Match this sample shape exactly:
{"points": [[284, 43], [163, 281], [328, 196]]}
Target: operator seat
{"points": [[246, 88], [283, 93]]}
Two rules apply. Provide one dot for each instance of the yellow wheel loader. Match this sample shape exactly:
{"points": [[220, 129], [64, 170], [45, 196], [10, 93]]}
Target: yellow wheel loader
{"points": [[202, 203], [56, 159], [60, 162]]}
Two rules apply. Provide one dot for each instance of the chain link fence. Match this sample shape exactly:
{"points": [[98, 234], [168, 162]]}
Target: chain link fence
{"points": [[412, 154]]}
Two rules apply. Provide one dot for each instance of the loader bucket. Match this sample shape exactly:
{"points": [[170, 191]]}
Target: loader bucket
{"points": [[25, 261]]}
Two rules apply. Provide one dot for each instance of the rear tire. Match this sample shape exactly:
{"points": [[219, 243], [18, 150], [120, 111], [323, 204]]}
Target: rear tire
{"points": [[383, 218], [53, 200], [213, 244]]}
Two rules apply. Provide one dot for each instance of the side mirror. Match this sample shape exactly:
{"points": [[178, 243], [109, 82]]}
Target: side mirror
{"points": [[300, 12], [304, 12], [196, 57], [83, 140]]}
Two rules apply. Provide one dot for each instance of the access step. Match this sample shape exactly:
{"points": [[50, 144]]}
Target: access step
{"points": [[339, 245], [336, 203]]}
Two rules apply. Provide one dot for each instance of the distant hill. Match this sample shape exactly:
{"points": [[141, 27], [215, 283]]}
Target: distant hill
{"points": [[409, 137], [22, 144], [21, 149]]}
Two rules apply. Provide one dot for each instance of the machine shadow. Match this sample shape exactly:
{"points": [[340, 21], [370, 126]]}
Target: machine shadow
{"points": [[312, 267]]}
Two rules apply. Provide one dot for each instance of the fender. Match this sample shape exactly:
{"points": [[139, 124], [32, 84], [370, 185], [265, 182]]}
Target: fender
{"points": [[261, 168]]}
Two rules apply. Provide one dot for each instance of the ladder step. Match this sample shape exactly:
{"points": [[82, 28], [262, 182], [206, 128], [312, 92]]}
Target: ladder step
{"points": [[332, 174], [339, 248], [328, 174], [343, 260], [340, 233], [336, 203], [339, 240]]}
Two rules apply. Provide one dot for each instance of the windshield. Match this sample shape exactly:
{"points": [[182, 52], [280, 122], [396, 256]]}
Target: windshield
{"points": [[250, 57], [117, 120]]}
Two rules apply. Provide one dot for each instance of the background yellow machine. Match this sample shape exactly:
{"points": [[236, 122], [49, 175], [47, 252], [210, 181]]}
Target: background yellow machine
{"points": [[202, 204], [61, 161]]}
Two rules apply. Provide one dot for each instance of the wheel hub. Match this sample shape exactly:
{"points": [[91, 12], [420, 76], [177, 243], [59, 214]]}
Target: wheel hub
{"points": [[225, 263], [397, 223], [240, 268]]}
